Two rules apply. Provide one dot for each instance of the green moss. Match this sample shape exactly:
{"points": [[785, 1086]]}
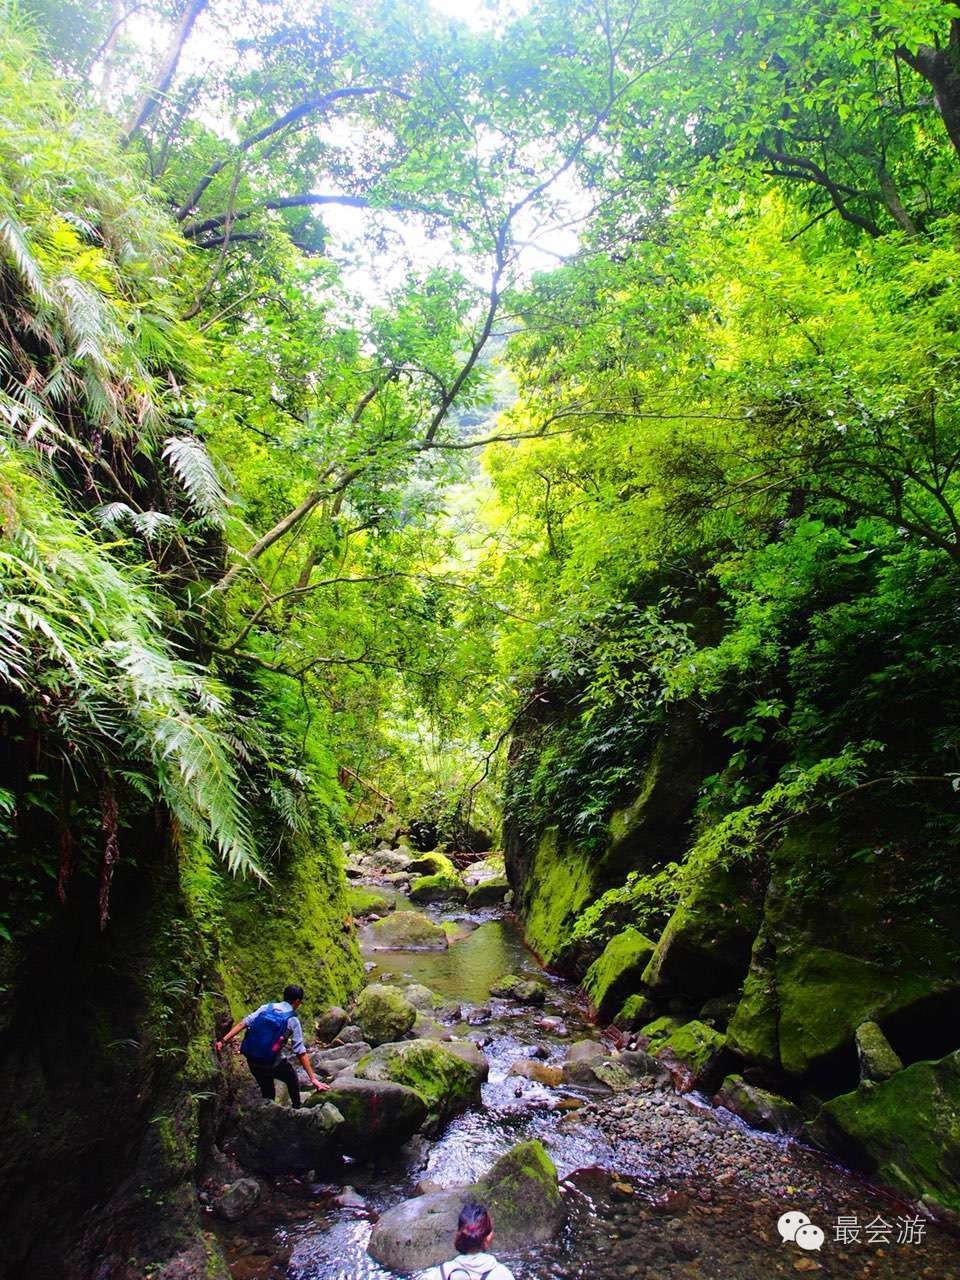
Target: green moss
{"points": [[362, 901], [435, 864], [383, 1014], [694, 1044], [908, 1128], [445, 1081], [437, 887], [753, 1029], [659, 1031], [525, 1175], [296, 929], [560, 886], [634, 1012], [617, 971]]}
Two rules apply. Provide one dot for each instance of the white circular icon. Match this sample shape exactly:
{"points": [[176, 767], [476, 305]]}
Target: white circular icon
{"points": [[809, 1237]]}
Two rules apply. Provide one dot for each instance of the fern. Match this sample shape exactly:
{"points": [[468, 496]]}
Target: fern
{"points": [[188, 459]]}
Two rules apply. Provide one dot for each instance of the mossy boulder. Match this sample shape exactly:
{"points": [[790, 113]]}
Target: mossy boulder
{"points": [[362, 901], [383, 1014], [374, 1112], [694, 1054], [705, 949], [521, 1192], [523, 990], [559, 883], [635, 1012], [408, 931], [905, 1131], [330, 1023], [488, 893], [760, 1108], [876, 1055], [656, 1033], [434, 864], [437, 888], [617, 972], [420, 996], [447, 1081], [277, 1139]]}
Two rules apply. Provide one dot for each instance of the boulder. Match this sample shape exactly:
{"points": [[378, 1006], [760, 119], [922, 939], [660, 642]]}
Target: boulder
{"points": [[718, 1010], [386, 860], [427, 1028], [437, 888], [705, 948], [533, 1069], [653, 1034], [617, 972], [760, 1108], [420, 997], [694, 1054], [275, 1139], [523, 990], [521, 1191], [348, 1035], [236, 1200], [876, 1055], [642, 1065], [383, 1014], [635, 1012], [489, 868], [329, 1063], [362, 901], [330, 1023], [378, 1115], [447, 1078], [488, 893], [408, 931], [434, 864], [905, 1130]]}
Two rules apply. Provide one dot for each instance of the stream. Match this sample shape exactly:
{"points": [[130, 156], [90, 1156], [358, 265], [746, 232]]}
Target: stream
{"points": [[657, 1186]]}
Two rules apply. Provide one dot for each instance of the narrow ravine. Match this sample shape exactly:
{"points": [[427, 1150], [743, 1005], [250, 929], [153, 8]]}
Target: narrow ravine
{"points": [[655, 1185]]}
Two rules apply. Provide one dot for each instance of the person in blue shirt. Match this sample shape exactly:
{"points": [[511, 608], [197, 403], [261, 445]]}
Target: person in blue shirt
{"points": [[269, 1028]]}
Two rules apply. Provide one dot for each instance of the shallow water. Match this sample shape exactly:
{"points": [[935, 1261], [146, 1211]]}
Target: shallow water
{"points": [[647, 1204]]}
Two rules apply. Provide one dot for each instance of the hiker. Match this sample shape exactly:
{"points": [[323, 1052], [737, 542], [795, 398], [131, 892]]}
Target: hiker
{"points": [[473, 1262], [268, 1029]]}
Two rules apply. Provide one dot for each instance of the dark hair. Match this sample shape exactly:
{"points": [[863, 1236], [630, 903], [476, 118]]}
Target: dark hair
{"points": [[472, 1229], [293, 992]]}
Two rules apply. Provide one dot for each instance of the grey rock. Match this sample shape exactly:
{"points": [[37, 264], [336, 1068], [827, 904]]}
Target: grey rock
{"points": [[276, 1139], [877, 1057], [236, 1200], [330, 1023]]}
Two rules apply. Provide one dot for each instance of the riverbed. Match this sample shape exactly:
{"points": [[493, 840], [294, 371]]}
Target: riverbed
{"points": [[656, 1186]]}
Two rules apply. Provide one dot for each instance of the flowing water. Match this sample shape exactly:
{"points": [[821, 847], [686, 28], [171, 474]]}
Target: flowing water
{"points": [[656, 1187]]}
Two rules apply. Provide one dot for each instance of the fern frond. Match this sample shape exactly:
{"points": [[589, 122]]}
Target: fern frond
{"points": [[188, 459]]}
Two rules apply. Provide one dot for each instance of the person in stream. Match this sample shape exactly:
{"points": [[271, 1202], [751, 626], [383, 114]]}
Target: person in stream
{"points": [[472, 1241], [268, 1029]]}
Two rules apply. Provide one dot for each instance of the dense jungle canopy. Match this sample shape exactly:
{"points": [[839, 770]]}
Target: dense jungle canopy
{"points": [[431, 410]]}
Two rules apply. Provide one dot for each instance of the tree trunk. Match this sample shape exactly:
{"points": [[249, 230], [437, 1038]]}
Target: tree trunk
{"points": [[152, 99]]}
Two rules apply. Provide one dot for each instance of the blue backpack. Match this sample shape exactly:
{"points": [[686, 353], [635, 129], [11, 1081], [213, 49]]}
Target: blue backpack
{"points": [[265, 1036]]}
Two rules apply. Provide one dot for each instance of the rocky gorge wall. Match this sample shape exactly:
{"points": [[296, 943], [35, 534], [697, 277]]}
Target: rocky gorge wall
{"points": [[112, 1095], [812, 984]]}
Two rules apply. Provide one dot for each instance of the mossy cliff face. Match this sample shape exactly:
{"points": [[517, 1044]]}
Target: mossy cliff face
{"points": [[108, 1074], [846, 919]]}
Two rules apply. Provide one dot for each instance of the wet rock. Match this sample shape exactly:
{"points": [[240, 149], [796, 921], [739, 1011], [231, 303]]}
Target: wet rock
{"points": [[420, 997], [438, 888], [635, 1011], [555, 1025], [388, 860], [530, 1069], [448, 1078], [479, 1016], [427, 1028], [374, 1112], [353, 871], [488, 893], [383, 1014], [408, 931], [362, 901], [904, 1129], [641, 1064], [539, 1051], [617, 971], [237, 1199], [760, 1108], [585, 1051], [523, 1196], [523, 990], [349, 1034], [350, 1198], [694, 1054], [876, 1055], [449, 1012], [276, 1139], [330, 1023]]}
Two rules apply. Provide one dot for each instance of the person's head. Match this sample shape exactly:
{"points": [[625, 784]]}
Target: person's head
{"points": [[293, 994], [474, 1229]]}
